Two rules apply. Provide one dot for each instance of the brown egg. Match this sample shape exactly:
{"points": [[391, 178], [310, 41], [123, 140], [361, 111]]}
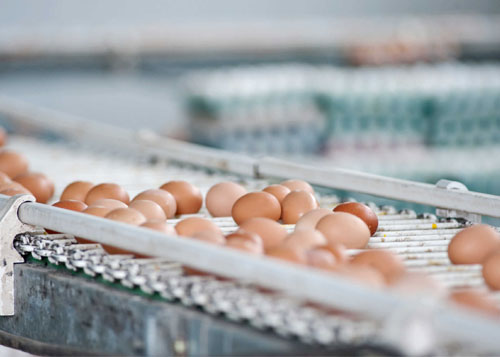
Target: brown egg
{"points": [[210, 237], [162, 197], [72, 205], [246, 241], [187, 196], [4, 178], [15, 191], [110, 203], [295, 205], [298, 185], [476, 300], [221, 198], [38, 184], [290, 254], [278, 191], [256, 204], [189, 226], [271, 232], [13, 163], [126, 215], [98, 211], [491, 270], [150, 209], [412, 284], [339, 251], [160, 226], [3, 136], [321, 259], [305, 239], [473, 244], [344, 228], [310, 219], [77, 190], [361, 211], [362, 274], [387, 263], [107, 190]]}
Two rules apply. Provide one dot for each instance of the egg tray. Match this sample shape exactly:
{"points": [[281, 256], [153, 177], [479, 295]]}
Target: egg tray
{"points": [[421, 240]]}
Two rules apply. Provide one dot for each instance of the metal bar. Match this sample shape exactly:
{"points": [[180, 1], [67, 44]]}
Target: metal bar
{"points": [[296, 280], [388, 187]]}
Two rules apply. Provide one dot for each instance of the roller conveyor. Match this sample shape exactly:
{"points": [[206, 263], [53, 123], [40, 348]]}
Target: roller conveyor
{"points": [[73, 298]]}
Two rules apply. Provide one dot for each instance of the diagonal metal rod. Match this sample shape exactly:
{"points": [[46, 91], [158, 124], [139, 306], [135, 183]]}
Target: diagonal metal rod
{"points": [[149, 143]]}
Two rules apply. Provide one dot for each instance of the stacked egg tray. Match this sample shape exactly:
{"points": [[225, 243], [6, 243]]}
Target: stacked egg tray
{"points": [[241, 316], [242, 108]]}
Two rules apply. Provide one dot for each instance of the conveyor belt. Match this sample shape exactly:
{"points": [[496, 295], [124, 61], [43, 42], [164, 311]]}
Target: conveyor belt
{"points": [[420, 239]]}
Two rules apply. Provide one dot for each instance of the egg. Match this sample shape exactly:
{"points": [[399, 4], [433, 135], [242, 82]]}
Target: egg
{"points": [[212, 237], [310, 219], [246, 241], [361, 211], [4, 178], [290, 254], [38, 184], [256, 204], [150, 209], [126, 215], [12, 163], [162, 197], [98, 211], [298, 185], [187, 196], [364, 275], [344, 228], [278, 191], [475, 300], [221, 197], [77, 190], [3, 137], [491, 270], [271, 232], [189, 226], [295, 205], [305, 239], [321, 259], [72, 205], [387, 263], [107, 190], [160, 226], [109, 203], [14, 191], [473, 244]]}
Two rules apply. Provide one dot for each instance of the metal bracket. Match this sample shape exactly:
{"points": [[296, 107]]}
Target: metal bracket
{"points": [[450, 213], [10, 226]]}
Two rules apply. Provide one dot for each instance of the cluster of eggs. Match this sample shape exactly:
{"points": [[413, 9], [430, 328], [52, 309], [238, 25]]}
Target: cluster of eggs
{"points": [[15, 177], [478, 244]]}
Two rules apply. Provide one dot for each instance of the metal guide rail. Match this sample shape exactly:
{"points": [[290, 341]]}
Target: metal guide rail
{"points": [[420, 240]]}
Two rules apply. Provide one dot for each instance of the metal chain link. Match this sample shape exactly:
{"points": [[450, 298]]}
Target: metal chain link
{"points": [[237, 301]]}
